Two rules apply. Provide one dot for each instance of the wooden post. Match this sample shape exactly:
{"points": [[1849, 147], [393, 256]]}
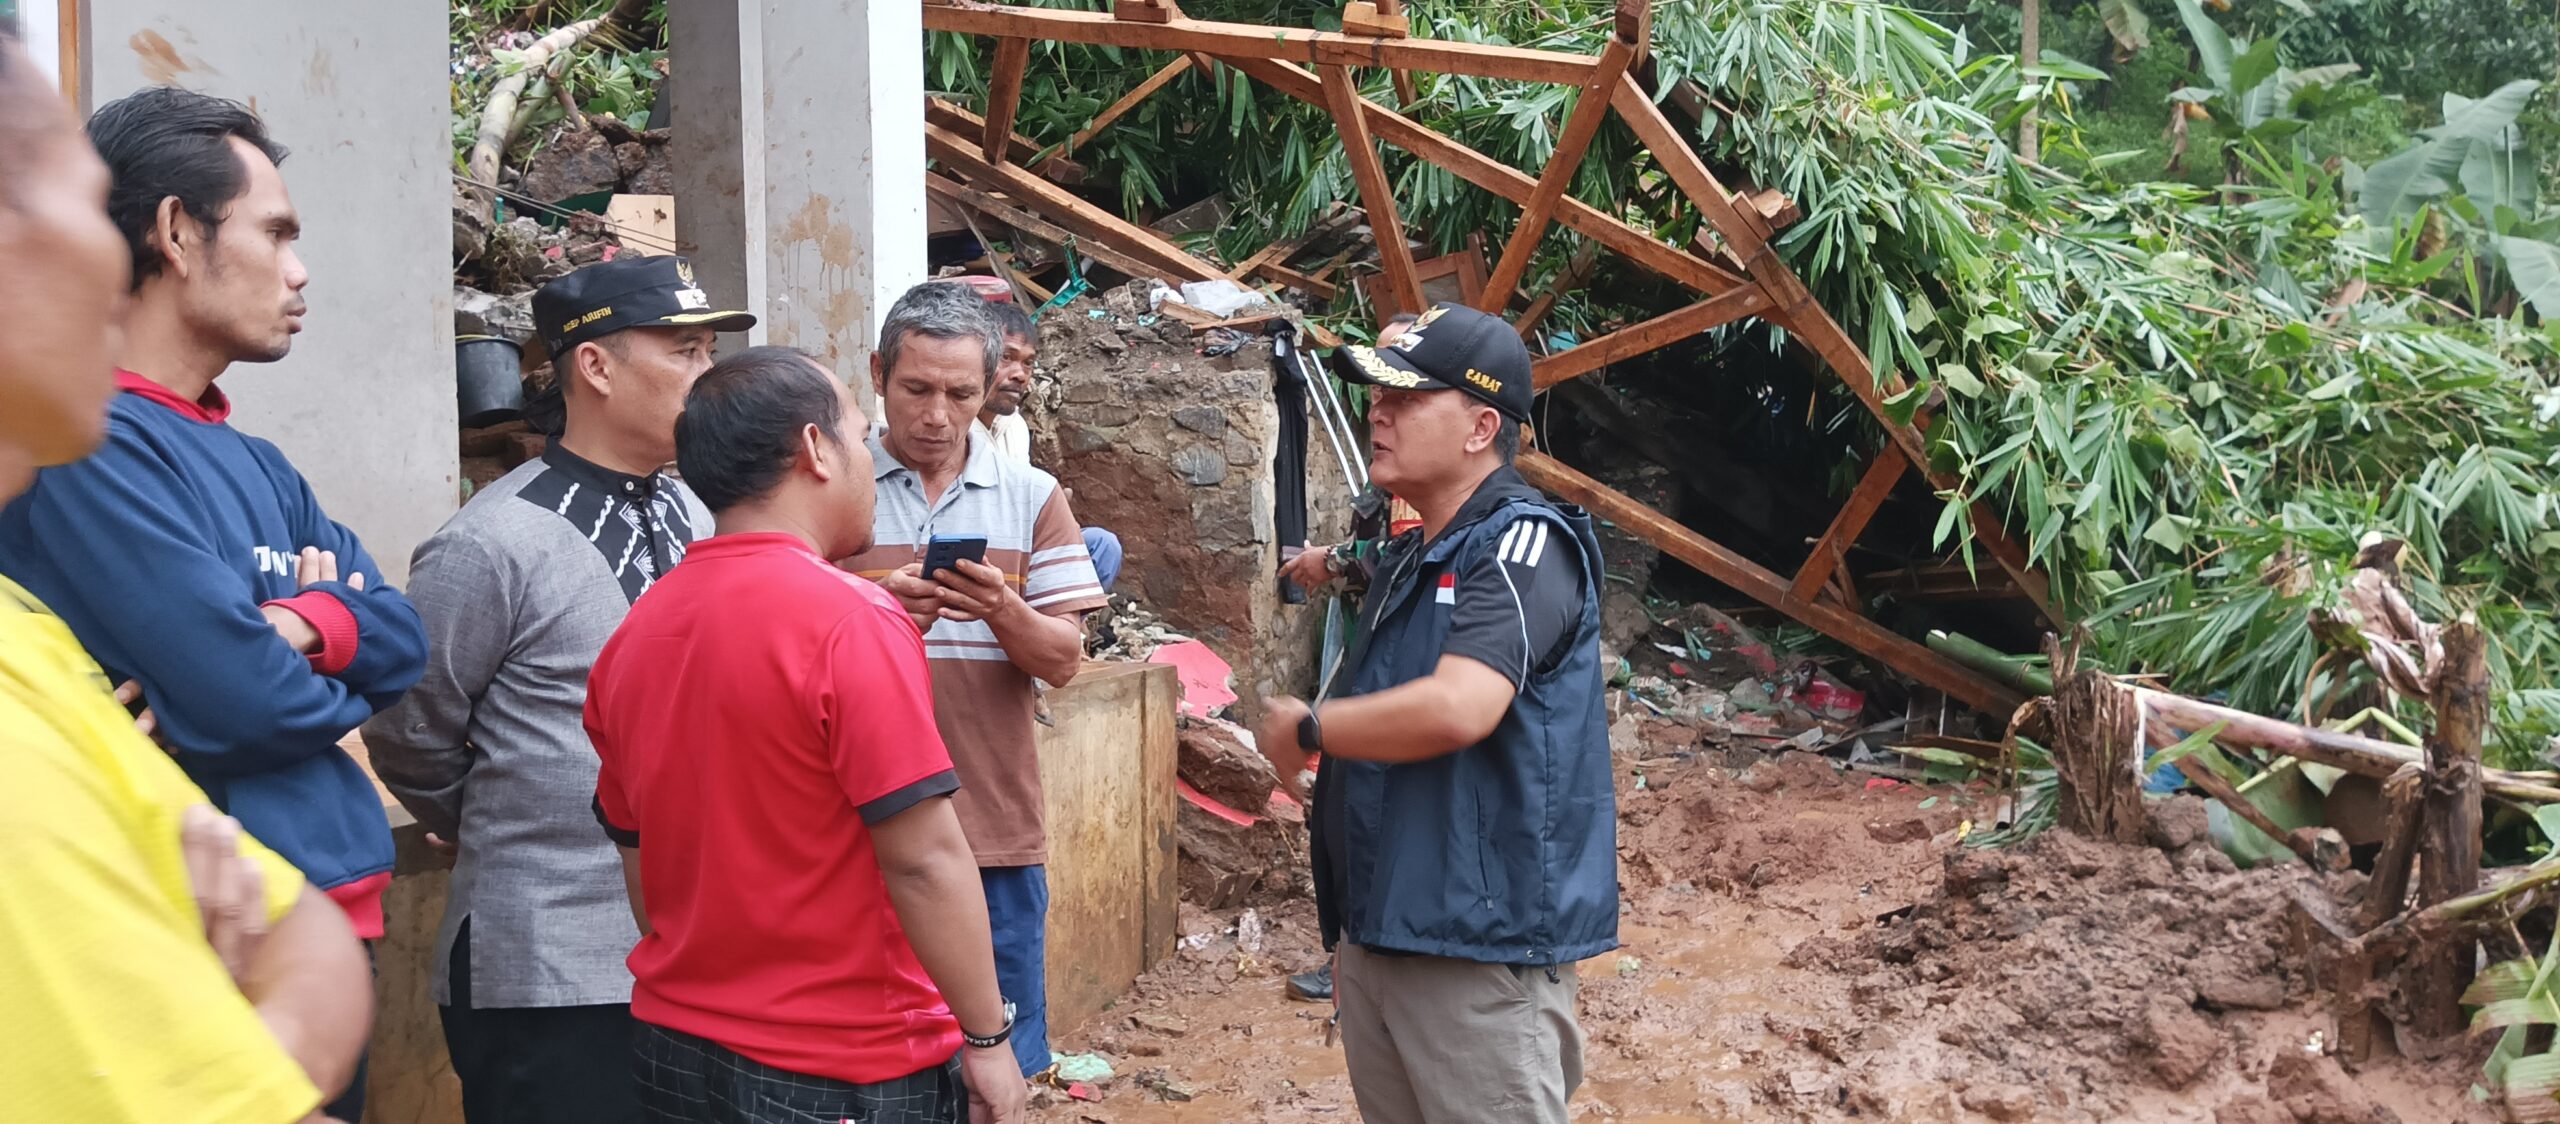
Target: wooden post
{"points": [[1377, 193], [1004, 96], [2449, 863]]}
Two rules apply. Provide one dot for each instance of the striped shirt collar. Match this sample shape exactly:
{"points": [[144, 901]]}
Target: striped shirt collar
{"points": [[980, 471]]}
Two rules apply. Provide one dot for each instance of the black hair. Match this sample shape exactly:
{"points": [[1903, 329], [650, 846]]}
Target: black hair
{"points": [[1506, 440], [165, 142], [742, 420], [1011, 320]]}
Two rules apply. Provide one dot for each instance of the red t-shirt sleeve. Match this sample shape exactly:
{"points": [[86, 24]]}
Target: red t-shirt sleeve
{"points": [[877, 710], [612, 805]]}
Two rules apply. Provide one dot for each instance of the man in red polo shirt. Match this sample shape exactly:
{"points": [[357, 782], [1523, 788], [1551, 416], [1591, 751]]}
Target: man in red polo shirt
{"points": [[807, 902]]}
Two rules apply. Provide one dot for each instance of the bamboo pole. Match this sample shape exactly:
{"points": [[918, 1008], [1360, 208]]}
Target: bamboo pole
{"points": [[499, 119], [2355, 754]]}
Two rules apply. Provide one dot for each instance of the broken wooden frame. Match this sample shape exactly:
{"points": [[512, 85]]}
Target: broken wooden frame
{"points": [[1736, 274]]}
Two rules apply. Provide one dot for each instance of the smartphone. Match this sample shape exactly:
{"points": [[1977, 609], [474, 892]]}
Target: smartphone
{"points": [[946, 553]]}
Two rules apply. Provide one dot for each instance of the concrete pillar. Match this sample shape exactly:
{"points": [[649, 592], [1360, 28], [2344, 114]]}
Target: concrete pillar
{"points": [[365, 403], [799, 163]]}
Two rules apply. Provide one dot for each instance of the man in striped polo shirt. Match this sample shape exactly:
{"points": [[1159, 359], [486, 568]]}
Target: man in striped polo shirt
{"points": [[991, 628]]}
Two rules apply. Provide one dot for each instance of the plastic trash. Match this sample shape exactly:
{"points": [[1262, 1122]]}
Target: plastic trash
{"points": [[1220, 296], [1075, 1068]]}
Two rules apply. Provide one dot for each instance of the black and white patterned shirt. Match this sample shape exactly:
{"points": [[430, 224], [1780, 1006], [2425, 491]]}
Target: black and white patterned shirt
{"points": [[519, 591]]}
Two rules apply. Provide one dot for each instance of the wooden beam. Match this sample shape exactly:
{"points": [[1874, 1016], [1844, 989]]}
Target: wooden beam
{"points": [[1031, 224], [1279, 252], [1128, 101], [1501, 179], [1068, 210], [1714, 203], [1377, 194], [1304, 282], [1145, 11], [1748, 234], [1882, 473], [1004, 96], [1891, 648], [1377, 20], [1637, 339], [1589, 110], [1019, 149], [1576, 270], [1244, 40]]}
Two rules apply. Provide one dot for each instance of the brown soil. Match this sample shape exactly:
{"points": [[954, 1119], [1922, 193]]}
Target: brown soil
{"points": [[1805, 944]]}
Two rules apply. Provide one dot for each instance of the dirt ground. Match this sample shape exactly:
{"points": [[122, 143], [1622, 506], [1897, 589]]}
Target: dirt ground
{"points": [[1807, 944]]}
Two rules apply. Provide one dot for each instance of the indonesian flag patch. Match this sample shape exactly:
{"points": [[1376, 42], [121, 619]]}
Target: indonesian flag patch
{"points": [[1448, 594]]}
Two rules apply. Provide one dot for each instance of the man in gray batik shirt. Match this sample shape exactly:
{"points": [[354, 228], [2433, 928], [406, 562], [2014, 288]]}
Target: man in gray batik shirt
{"points": [[519, 592]]}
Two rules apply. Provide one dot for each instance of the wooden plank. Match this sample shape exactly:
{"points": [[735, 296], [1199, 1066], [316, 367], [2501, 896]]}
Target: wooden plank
{"points": [[1882, 473], [1589, 110], [1377, 195], [1244, 40], [1004, 96], [1129, 101], [1028, 223], [1337, 219], [1106, 767], [1306, 283], [1637, 339], [1893, 649], [1068, 210], [1501, 179]]}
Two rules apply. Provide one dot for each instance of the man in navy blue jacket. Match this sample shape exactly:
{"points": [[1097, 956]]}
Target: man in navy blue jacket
{"points": [[191, 557], [1463, 828]]}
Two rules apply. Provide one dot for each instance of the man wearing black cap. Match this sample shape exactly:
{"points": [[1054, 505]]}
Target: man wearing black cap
{"points": [[519, 591], [1463, 827]]}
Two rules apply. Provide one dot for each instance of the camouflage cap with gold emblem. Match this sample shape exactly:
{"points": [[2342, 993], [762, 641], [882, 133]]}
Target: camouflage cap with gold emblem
{"points": [[627, 292], [1451, 347]]}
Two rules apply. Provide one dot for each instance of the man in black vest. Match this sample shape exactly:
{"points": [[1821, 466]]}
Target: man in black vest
{"points": [[1463, 827]]}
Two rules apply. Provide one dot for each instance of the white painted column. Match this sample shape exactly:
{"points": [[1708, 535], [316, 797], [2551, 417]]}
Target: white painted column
{"points": [[799, 164], [358, 92]]}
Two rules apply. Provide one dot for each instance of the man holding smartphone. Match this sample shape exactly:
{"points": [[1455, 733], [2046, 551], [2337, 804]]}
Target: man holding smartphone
{"points": [[992, 624]]}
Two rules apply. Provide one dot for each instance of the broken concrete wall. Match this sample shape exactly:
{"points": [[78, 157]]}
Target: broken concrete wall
{"points": [[1172, 450]]}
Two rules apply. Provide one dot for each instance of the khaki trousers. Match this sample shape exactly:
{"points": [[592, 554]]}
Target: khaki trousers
{"points": [[1430, 1040]]}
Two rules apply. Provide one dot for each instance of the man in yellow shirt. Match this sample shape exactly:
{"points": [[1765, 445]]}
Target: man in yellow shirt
{"points": [[119, 1007]]}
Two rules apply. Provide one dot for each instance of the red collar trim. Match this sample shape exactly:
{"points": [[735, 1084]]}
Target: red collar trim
{"points": [[215, 406]]}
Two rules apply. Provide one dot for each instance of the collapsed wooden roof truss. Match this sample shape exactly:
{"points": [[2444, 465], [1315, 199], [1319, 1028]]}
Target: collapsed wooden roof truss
{"points": [[1743, 279]]}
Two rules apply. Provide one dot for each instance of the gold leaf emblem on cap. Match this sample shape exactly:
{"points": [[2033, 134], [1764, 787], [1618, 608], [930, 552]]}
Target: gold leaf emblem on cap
{"points": [[1378, 371], [684, 272]]}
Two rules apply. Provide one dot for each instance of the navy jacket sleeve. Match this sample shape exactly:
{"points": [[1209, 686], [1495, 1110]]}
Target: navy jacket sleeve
{"points": [[391, 641], [166, 609]]}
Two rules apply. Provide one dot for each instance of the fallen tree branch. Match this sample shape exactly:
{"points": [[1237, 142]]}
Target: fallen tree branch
{"points": [[500, 117]]}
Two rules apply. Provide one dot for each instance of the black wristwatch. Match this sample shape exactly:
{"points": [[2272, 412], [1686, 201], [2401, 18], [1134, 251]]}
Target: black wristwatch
{"points": [[991, 1041], [1311, 732]]}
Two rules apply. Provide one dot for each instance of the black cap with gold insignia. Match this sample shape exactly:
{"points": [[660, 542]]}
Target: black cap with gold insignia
{"points": [[627, 292], [1451, 347]]}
